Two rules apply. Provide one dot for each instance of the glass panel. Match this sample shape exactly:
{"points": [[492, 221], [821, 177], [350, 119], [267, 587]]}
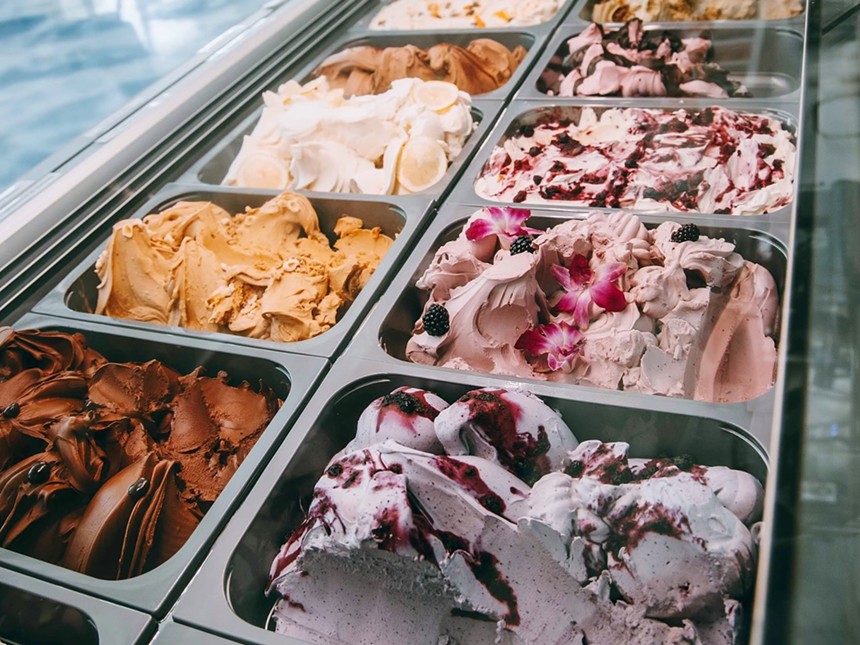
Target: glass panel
{"points": [[67, 64], [826, 590]]}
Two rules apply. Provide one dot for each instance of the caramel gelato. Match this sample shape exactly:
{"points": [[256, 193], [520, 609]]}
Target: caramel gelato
{"points": [[107, 468], [268, 273], [482, 66]]}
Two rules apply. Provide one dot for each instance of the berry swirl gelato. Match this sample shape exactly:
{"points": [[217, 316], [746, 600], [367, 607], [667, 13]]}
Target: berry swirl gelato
{"points": [[600, 548], [708, 161]]}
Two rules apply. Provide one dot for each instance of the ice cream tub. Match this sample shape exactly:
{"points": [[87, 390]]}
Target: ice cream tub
{"points": [[386, 334], [77, 294], [766, 61], [34, 611], [539, 17], [523, 162], [171, 633], [213, 167], [238, 566], [458, 68], [289, 377], [698, 10]]}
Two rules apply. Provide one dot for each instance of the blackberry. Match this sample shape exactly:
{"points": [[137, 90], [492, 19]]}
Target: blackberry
{"points": [[436, 322], [522, 244], [687, 233], [406, 402]]}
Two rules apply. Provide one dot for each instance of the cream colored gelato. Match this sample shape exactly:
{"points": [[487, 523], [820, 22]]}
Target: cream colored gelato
{"points": [[680, 10], [312, 137], [482, 66], [601, 301], [269, 272], [463, 14]]}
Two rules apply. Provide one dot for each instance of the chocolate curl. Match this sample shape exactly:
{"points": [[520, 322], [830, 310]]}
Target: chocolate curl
{"points": [[49, 351], [99, 542], [136, 390], [35, 505], [85, 461]]}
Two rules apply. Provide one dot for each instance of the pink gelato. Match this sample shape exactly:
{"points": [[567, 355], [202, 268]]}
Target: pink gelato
{"points": [[633, 62], [713, 160], [602, 301], [401, 545]]}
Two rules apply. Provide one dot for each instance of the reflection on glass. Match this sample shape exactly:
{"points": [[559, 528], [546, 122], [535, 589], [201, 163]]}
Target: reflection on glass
{"points": [[67, 64]]}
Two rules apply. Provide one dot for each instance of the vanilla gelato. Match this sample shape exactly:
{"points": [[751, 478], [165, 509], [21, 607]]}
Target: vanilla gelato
{"points": [[601, 549], [601, 301], [269, 272], [313, 137], [463, 14], [713, 160], [680, 10]]}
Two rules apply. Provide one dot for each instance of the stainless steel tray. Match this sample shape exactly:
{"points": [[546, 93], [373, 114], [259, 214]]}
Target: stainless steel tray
{"points": [[212, 167], [76, 294], [767, 60], [520, 113], [388, 327], [170, 633], [235, 574], [33, 611], [585, 11], [362, 24], [292, 377]]}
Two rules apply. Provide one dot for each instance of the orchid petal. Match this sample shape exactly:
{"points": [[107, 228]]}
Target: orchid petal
{"points": [[562, 275], [608, 296], [534, 342], [478, 229], [611, 272], [561, 343], [580, 272], [581, 310]]}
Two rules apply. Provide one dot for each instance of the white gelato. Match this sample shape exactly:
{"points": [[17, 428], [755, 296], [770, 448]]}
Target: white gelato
{"points": [[312, 137]]}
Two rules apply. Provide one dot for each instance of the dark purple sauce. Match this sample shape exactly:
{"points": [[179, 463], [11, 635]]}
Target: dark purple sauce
{"points": [[495, 419], [468, 478], [485, 566]]}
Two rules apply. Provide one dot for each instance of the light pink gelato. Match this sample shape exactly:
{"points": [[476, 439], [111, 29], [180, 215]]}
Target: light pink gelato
{"points": [[603, 301]]}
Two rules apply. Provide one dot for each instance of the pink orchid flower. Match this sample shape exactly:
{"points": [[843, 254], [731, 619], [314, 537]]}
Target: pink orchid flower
{"points": [[504, 222], [582, 286], [561, 343]]}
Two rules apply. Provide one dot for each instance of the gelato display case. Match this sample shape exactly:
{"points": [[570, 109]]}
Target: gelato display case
{"points": [[447, 322]]}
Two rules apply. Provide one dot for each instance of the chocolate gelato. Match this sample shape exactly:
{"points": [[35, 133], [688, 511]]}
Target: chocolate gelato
{"points": [[482, 66], [107, 468]]}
